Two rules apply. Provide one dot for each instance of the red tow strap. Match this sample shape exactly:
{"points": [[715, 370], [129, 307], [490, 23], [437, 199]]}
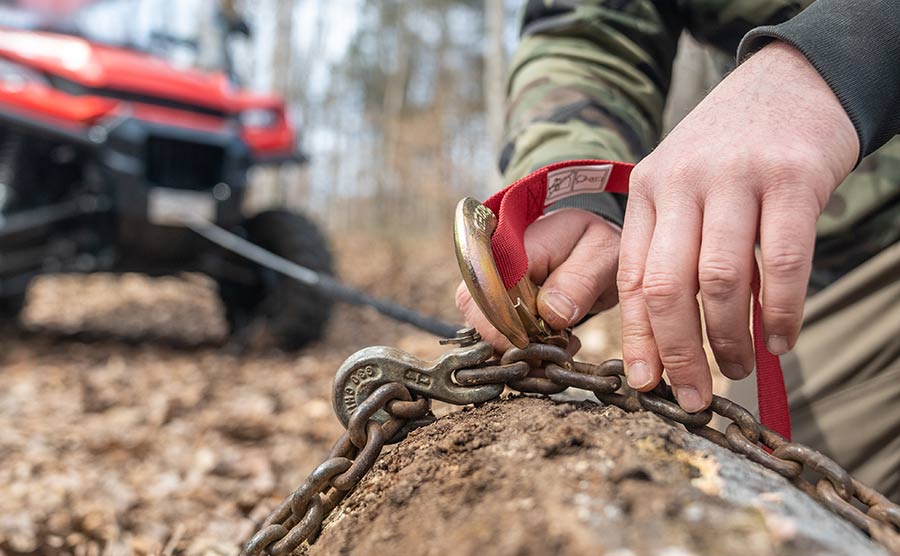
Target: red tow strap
{"points": [[770, 391], [524, 201]]}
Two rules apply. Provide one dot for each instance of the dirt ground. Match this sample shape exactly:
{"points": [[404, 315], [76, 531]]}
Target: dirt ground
{"points": [[127, 428]]}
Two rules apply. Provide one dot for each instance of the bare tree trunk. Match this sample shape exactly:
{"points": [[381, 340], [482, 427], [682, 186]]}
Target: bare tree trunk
{"points": [[267, 187], [531, 476], [281, 55], [392, 114], [494, 84]]}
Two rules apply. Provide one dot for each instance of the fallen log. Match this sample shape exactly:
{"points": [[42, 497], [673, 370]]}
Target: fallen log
{"points": [[531, 476]]}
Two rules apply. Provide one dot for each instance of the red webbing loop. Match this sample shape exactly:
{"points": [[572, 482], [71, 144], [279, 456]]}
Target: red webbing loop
{"points": [[524, 201], [771, 393]]}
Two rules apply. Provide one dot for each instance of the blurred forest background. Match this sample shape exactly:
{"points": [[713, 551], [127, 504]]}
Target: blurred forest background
{"points": [[400, 104]]}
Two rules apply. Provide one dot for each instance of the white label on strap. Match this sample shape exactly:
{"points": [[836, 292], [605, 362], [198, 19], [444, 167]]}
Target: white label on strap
{"points": [[574, 180]]}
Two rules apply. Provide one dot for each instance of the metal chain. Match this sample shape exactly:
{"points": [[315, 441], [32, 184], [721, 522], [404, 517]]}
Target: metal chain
{"points": [[299, 517], [546, 369]]}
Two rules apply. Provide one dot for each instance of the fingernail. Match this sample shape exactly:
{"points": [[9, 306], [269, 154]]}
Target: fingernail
{"points": [[734, 371], [688, 398], [638, 374], [777, 345], [561, 305]]}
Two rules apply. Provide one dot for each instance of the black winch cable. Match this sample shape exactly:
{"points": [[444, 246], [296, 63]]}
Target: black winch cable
{"points": [[322, 283]]}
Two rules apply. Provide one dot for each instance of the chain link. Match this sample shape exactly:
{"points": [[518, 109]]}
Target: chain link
{"points": [[299, 517], [546, 369]]}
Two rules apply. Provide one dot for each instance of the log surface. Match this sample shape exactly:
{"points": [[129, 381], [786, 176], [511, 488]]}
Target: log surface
{"points": [[529, 476]]}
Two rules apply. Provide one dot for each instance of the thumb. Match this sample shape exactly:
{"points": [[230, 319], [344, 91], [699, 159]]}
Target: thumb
{"points": [[586, 275]]}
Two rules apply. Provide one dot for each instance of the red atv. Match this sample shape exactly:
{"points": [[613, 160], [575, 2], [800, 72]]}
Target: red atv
{"points": [[105, 143]]}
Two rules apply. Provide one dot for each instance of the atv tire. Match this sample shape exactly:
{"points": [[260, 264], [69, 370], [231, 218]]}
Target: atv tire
{"points": [[295, 314], [10, 307]]}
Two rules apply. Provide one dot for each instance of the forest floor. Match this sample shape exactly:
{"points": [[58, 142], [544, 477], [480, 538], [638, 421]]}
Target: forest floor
{"points": [[129, 426]]}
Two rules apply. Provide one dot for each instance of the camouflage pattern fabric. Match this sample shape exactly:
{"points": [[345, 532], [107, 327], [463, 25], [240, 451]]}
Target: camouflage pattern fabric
{"points": [[590, 79]]}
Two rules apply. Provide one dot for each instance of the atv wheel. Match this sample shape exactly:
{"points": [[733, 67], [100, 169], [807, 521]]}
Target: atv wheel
{"points": [[10, 307], [295, 314]]}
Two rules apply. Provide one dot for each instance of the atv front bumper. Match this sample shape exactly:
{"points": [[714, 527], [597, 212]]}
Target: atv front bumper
{"points": [[151, 175]]}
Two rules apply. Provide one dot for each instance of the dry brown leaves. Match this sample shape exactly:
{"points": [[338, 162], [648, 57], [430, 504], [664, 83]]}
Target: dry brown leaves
{"points": [[113, 444]]}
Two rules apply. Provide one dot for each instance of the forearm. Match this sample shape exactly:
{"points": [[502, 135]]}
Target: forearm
{"points": [[587, 82], [855, 47]]}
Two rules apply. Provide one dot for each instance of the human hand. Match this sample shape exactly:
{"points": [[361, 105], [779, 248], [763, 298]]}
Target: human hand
{"points": [[573, 254], [758, 157]]}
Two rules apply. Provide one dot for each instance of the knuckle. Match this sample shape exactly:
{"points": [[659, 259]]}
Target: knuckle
{"points": [[783, 312], [640, 181], [581, 280], [719, 279], [678, 358], [792, 205], [601, 237], [629, 280], [684, 171], [661, 288], [785, 167], [636, 334], [785, 263], [785, 173], [652, 177], [539, 256], [724, 344]]}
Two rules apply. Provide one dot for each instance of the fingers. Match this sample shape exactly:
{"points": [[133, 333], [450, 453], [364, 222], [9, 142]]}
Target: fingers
{"points": [[725, 270], [676, 244], [670, 294], [642, 365], [787, 238], [474, 317], [573, 254], [576, 284]]}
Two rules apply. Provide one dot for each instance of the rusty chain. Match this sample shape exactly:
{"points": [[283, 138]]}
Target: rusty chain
{"points": [[300, 515], [381, 407]]}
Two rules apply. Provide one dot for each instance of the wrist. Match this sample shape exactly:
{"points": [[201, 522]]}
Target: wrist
{"points": [[589, 217], [608, 206], [819, 119]]}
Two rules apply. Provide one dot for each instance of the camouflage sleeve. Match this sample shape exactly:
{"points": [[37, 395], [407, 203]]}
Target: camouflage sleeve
{"points": [[588, 80], [723, 23], [590, 77]]}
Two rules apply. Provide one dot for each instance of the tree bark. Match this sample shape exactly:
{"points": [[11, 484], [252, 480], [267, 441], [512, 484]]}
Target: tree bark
{"points": [[530, 476]]}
